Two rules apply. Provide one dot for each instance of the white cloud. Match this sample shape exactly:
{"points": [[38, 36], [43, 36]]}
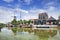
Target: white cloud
{"points": [[51, 11], [51, 8], [32, 14], [37, 10], [50, 3], [21, 10], [29, 16], [8, 1], [6, 14], [27, 1]]}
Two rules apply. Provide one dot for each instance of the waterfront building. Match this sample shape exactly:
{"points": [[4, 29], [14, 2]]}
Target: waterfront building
{"points": [[58, 20], [51, 21], [42, 18], [9, 24]]}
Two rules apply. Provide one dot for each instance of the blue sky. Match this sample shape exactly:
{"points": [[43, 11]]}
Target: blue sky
{"points": [[29, 9]]}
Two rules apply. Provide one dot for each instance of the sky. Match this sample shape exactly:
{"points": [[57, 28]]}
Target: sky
{"points": [[27, 9]]}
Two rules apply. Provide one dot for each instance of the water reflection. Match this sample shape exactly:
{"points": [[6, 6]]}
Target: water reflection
{"points": [[36, 34], [6, 31]]}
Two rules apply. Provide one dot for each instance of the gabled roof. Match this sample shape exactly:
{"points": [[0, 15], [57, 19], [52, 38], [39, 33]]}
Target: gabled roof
{"points": [[59, 18], [51, 18], [43, 13]]}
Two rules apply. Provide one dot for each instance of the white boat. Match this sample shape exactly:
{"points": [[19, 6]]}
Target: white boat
{"points": [[44, 26]]}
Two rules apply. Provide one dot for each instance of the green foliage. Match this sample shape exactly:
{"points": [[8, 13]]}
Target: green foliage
{"points": [[18, 22], [27, 21], [21, 21], [1, 25], [30, 21], [14, 30], [14, 22], [24, 21], [19, 29]]}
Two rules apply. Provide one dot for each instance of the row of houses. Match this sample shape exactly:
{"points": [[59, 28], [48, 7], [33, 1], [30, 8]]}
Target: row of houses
{"points": [[44, 19]]}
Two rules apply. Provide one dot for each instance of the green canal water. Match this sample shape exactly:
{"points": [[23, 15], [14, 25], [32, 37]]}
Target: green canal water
{"points": [[30, 34]]}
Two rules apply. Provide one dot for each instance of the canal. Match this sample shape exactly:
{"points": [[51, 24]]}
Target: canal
{"points": [[29, 34]]}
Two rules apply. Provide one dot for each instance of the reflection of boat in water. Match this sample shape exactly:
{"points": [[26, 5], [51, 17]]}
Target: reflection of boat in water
{"points": [[44, 26]]}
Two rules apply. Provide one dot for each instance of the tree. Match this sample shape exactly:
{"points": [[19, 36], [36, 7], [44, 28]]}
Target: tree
{"points": [[14, 22], [18, 22], [2, 25], [21, 22], [24, 21], [29, 21]]}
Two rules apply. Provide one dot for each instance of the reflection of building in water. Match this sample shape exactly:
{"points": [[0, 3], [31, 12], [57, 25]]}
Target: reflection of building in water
{"points": [[45, 33], [43, 19]]}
